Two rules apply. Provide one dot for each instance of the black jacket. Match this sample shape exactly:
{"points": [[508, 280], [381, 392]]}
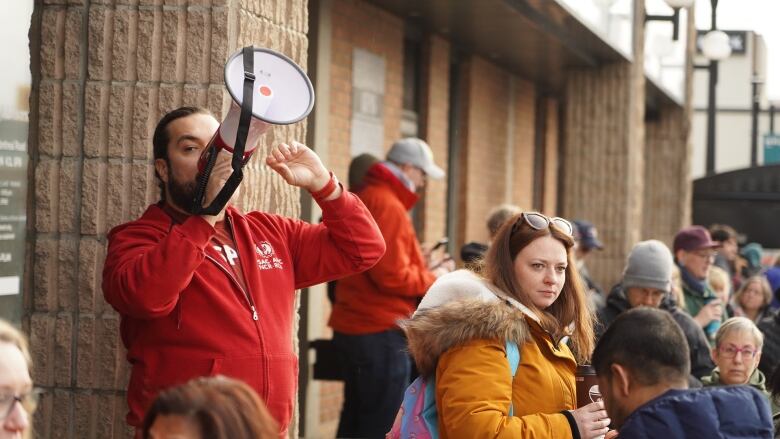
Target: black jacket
{"points": [[701, 362], [770, 353]]}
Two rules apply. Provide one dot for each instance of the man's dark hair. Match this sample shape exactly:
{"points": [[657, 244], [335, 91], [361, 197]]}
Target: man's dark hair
{"points": [[647, 342], [161, 137], [722, 232]]}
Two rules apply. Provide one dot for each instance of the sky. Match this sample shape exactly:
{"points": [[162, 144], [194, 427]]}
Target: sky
{"points": [[760, 16]]}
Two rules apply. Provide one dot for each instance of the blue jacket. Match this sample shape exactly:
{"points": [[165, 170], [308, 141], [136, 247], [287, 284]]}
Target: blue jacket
{"points": [[715, 413]]}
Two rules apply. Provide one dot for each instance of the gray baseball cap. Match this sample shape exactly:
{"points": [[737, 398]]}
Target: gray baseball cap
{"points": [[415, 152]]}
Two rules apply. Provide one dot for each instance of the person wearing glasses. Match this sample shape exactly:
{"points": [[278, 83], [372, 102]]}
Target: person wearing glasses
{"points": [[694, 252], [17, 396], [753, 299], [527, 293], [647, 281], [736, 354]]}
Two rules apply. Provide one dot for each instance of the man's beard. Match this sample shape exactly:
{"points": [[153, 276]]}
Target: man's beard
{"points": [[182, 194]]}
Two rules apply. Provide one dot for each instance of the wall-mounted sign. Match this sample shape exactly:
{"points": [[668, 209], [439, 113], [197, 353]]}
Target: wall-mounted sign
{"points": [[771, 149], [13, 204], [368, 97]]}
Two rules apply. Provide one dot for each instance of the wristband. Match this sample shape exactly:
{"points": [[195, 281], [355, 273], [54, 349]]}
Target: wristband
{"points": [[326, 191]]}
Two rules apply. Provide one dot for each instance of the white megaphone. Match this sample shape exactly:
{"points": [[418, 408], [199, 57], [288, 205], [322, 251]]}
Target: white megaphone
{"points": [[267, 88]]}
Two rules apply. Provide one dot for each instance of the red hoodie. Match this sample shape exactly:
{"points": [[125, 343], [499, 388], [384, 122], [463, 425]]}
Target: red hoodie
{"points": [[184, 315]]}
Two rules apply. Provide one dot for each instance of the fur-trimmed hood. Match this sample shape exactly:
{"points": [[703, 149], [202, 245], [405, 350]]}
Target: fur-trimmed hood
{"points": [[460, 307]]}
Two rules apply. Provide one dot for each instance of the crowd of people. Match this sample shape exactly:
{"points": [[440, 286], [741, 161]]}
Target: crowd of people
{"points": [[686, 344]]}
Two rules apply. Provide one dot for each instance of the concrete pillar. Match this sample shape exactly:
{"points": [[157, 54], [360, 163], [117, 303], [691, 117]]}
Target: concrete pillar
{"points": [[104, 71], [668, 186], [435, 129], [603, 154], [667, 203]]}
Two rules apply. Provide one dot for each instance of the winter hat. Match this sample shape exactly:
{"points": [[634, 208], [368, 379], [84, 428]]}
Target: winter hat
{"points": [[649, 266], [752, 252]]}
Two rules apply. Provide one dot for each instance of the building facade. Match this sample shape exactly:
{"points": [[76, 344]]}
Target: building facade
{"points": [[734, 101], [544, 104]]}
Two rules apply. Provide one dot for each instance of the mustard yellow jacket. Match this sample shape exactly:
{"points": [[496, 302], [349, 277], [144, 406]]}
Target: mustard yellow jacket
{"points": [[463, 343]]}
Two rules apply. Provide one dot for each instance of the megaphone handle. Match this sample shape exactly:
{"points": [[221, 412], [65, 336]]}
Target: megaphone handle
{"points": [[222, 198], [244, 120], [203, 180]]}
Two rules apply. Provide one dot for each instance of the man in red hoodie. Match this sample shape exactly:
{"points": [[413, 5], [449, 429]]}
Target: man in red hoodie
{"points": [[369, 304], [204, 295]]}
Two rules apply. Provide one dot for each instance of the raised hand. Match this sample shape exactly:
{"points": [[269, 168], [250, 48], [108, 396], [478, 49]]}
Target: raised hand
{"points": [[709, 312], [298, 165]]}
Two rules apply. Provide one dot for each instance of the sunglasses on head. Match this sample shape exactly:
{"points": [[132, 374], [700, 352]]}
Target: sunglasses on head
{"points": [[537, 221]]}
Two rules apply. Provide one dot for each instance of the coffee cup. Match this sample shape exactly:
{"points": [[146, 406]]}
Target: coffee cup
{"points": [[587, 385]]}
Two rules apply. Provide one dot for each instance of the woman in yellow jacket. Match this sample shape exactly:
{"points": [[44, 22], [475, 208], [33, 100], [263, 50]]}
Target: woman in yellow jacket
{"points": [[530, 294]]}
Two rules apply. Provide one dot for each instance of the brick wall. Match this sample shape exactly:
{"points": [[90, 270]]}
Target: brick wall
{"points": [[435, 130], [551, 163], [603, 154], [521, 153], [601, 180], [357, 24], [666, 176], [497, 145], [484, 145], [103, 73], [667, 204]]}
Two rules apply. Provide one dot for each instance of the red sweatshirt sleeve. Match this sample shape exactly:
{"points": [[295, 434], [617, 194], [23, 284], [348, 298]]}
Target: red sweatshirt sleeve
{"points": [[347, 241], [146, 269]]}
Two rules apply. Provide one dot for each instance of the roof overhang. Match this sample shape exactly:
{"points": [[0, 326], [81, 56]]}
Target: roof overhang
{"points": [[537, 39]]}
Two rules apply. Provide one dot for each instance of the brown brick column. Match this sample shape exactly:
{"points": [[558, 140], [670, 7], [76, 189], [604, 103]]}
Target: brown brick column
{"points": [[104, 71], [603, 154], [435, 130], [668, 188], [667, 175], [496, 134]]}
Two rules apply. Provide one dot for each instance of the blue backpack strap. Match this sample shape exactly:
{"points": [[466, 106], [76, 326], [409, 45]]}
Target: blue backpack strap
{"points": [[430, 414], [513, 356]]}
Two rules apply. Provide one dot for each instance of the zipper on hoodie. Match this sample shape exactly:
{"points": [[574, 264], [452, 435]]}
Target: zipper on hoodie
{"points": [[266, 373], [247, 297], [246, 293]]}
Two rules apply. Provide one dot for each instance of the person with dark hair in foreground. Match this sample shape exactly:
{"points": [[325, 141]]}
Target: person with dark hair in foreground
{"points": [[209, 408], [642, 363]]}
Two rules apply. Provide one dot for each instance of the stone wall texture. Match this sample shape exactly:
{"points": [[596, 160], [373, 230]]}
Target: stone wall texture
{"points": [[104, 72], [625, 172], [497, 135], [603, 154]]}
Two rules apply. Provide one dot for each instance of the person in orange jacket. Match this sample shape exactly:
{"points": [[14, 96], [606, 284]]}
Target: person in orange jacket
{"points": [[528, 293], [376, 366]]}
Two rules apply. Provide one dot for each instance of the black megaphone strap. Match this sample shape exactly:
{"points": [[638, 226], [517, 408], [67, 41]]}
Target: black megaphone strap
{"points": [[245, 119]]}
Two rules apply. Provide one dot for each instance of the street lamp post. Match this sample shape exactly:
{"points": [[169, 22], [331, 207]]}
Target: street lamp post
{"points": [[713, 82], [716, 47], [754, 110]]}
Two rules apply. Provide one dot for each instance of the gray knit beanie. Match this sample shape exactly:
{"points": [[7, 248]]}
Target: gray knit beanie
{"points": [[649, 266]]}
